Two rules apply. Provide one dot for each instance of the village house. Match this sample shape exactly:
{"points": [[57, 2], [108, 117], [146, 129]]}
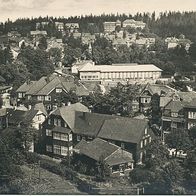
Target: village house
{"points": [[149, 90], [111, 26], [118, 161], [5, 96], [59, 26], [41, 25], [72, 27], [133, 136], [133, 24], [127, 71], [190, 114], [87, 38], [57, 135], [4, 118], [173, 116], [50, 90], [79, 64], [38, 33]]}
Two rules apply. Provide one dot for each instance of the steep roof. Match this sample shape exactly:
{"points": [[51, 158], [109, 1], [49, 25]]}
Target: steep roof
{"points": [[191, 104], [186, 96], [175, 106], [68, 112], [164, 101], [40, 107], [158, 88], [29, 115], [25, 87], [16, 116], [89, 123], [99, 149], [123, 129]]}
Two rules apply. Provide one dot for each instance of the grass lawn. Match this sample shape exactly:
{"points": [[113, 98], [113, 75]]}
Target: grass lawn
{"points": [[49, 183]]}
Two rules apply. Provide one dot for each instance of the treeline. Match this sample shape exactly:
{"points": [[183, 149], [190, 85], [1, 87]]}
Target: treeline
{"points": [[166, 24]]}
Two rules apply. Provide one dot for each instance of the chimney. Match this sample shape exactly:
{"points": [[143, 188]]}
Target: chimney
{"points": [[47, 79]]}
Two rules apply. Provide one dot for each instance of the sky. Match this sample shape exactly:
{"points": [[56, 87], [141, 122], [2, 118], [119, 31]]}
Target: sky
{"points": [[14, 9]]}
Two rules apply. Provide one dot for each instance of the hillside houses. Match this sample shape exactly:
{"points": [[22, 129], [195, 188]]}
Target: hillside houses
{"points": [[73, 123], [49, 90]]}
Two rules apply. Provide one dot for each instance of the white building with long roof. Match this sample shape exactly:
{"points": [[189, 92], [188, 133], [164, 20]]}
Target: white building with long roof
{"points": [[119, 71]]}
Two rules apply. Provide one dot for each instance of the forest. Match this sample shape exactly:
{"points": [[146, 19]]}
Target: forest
{"points": [[165, 24]]}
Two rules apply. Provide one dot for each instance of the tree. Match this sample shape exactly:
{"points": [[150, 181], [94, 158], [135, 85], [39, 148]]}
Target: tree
{"points": [[179, 139], [103, 171], [55, 55], [36, 61], [43, 43]]}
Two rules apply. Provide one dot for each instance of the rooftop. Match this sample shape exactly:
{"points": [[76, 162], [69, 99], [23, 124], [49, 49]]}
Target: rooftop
{"points": [[99, 149], [120, 68]]}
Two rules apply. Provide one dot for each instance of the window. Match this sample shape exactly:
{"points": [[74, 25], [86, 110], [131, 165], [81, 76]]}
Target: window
{"points": [[20, 95], [141, 144], [174, 125], [57, 149], [64, 137], [55, 121], [29, 97], [49, 121], [70, 137], [145, 142], [57, 136], [174, 114], [78, 138], [39, 117], [192, 115], [58, 90], [59, 122], [65, 124], [48, 148], [48, 132], [122, 145], [48, 98], [150, 139], [48, 107], [146, 131], [64, 150], [40, 98]]}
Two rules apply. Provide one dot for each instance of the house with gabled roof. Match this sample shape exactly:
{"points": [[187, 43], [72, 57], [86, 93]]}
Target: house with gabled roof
{"points": [[149, 90], [130, 134], [57, 135], [49, 90], [117, 160], [173, 116]]}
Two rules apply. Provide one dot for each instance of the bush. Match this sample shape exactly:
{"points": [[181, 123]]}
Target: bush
{"points": [[32, 157]]}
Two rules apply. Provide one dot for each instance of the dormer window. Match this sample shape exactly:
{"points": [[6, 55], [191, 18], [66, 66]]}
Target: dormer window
{"points": [[58, 90], [174, 114]]}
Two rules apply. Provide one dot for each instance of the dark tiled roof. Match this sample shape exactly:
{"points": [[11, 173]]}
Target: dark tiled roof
{"points": [[29, 115], [16, 116], [158, 88], [25, 87], [89, 123], [68, 112], [191, 104], [119, 157], [123, 129], [40, 107], [174, 106], [99, 149]]}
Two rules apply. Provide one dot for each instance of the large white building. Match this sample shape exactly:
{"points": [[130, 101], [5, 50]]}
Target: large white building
{"points": [[119, 71]]}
